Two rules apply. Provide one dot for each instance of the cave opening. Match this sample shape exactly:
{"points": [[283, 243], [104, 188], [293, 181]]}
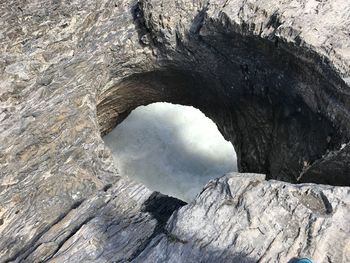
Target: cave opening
{"points": [[273, 130], [173, 149], [283, 107]]}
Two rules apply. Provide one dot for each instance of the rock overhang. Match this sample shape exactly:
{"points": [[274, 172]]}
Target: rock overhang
{"points": [[278, 99], [57, 67]]}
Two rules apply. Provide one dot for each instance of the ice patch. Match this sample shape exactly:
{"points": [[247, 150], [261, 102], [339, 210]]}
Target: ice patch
{"points": [[171, 148]]}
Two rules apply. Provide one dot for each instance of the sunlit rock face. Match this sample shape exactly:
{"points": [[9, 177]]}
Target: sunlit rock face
{"points": [[171, 148]]}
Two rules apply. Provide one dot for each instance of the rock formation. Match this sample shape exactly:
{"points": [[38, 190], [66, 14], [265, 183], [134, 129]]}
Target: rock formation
{"points": [[272, 76]]}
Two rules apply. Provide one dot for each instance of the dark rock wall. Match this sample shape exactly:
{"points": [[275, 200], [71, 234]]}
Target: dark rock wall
{"points": [[282, 105]]}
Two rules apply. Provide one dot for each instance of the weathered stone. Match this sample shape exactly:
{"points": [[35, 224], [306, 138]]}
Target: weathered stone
{"points": [[271, 75], [243, 218]]}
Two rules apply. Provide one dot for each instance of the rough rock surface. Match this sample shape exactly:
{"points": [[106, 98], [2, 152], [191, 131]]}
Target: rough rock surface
{"points": [[273, 76], [243, 218], [237, 218]]}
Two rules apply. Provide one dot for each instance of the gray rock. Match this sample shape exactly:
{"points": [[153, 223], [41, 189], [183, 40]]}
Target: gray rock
{"points": [[271, 75], [243, 218]]}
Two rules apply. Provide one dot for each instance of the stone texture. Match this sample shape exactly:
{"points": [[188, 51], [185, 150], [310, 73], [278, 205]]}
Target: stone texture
{"points": [[271, 75], [236, 218], [243, 218]]}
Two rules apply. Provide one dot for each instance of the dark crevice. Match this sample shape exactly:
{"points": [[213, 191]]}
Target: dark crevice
{"points": [[106, 187], [72, 233], [161, 207], [327, 204]]}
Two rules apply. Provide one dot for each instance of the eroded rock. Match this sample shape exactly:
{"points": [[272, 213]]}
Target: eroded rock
{"points": [[243, 218], [271, 75]]}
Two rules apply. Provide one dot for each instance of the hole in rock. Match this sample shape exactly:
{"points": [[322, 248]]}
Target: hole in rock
{"points": [[170, 148], [284, 109]]}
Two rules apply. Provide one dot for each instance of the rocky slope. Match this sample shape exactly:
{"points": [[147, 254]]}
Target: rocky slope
{"points": [[272, 77]]}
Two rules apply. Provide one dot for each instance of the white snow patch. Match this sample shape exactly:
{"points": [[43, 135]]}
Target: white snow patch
{"points": [[171, 148]]}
